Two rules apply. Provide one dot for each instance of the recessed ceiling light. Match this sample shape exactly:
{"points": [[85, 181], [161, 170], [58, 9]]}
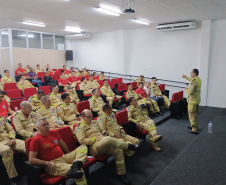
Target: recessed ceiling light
{"points": [[33, 23], [73, 29], [107, 11], [141, 21], [29, 36]]}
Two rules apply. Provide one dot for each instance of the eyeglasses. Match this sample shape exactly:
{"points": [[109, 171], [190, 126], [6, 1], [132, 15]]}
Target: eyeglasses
{"points": [[1, 96], [89, 116]]}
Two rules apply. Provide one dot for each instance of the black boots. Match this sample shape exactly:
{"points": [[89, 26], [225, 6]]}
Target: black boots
{"points": [[124, 179], [75, 171], [133, 147]]}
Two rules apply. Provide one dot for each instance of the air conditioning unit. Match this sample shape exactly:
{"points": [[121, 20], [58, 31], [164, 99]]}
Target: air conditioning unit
{"points": [[79, 36], [177, 26]]}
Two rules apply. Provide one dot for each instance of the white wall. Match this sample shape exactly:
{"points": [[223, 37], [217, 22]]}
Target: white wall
{"points": [[166, 55], [217, 68]]}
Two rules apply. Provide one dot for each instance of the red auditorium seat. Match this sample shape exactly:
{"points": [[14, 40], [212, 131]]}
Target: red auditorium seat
{"points": [[46, 89], [14, 93], [16, 103], [9, 86], [162, 87], [114, 81], [134, 84], [40, 74], [122, 87], [180, 95], [122, 117], [57, 73], [56, 77], [119, 80], [77, 86], [100, 82], [54, 70], [175, 97], [59, 70], [96, 78], [29, 92], [125, 96], [83, 105]]}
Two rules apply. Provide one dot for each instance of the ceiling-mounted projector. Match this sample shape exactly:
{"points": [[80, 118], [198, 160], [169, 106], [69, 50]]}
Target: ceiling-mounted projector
{"points": [[128, 10]]}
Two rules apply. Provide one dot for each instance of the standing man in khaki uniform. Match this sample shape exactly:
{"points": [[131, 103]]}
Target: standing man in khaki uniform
{"points": [[108, 123], [193, 91], [158, 94], [88, 133], [36, 100], [68, 111], [8, 143], [107, 91], [25, 121], [23, 83], [136, 115], [85, 86], [54, 96], [93, 84], [6, 79], [50, 113], [49, 150]]}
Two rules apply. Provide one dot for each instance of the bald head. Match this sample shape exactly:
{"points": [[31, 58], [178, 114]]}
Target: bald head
{"points": [[87, 116], [86, 112], [24, 104], [25, 107]]}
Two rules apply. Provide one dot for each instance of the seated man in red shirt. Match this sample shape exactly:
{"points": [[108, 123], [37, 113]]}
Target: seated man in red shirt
{"points": [[4, 106], [47, 149], [152, 104], [81, 75], [67, 72], [73, 79], [64, 81], [20, 70]]}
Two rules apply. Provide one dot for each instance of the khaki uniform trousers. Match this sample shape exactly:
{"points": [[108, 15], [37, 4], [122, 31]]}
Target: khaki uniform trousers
{"points": [[87, 92], [166, 102], [111, 146], [6, 152], [193, 116], [149, 126], [153, 106], [129, 139], [64, 163], [110, 99]]}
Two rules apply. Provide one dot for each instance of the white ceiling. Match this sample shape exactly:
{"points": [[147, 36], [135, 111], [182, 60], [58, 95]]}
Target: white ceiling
{"points": [[56, 13]]}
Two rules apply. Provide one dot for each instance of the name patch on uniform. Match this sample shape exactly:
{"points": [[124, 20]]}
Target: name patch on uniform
{"points": [[53, 110], [95, 123], [0, 122], [3, 106], [78, 129], [56, 141]]}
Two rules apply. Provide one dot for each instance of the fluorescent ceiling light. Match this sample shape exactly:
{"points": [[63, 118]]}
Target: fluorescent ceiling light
{"points": [[141, 21], [29, 36], [4, 33], [107, 11], [34, 24], [73, 29]]}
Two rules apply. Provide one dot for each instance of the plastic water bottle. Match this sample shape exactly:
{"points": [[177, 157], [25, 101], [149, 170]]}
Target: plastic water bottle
{"points": [[210, 125]]}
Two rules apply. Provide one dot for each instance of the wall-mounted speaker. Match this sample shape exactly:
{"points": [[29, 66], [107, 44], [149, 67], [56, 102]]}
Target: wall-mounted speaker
{"points": [[69, 54]]}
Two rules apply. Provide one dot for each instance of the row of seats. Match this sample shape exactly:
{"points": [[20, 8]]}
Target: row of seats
{"points": [[178, 105]]}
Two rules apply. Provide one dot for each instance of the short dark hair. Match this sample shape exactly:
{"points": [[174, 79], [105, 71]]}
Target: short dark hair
{"points": [[131, 99], [196, 71], [154, 78], [6, 70], [128, 84], [142, 76], [105, 80], [64, 65], [2, 92], [40, 91], [102, 72], [94, 90], [140, 83], [27, 65], [106, 106], [53, 86], [62, 71], [64, 96], [19, 64], [20, 76], [83, 78], [81, 71]]}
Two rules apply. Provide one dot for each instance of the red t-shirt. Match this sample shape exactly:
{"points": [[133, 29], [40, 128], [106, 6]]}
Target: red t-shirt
{"points": [[142, 92], [51, 74], [63, 81], [67, 71], [4, 108], [72, 79], [79, 78], [87, 77], [20, 70], [47, 146]]}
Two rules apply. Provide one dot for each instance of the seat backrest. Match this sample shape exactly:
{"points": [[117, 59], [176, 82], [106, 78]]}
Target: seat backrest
{"points": [[100, 82], [125, 96], [67, 136], [9, 86], [96, 77], [100, 90], [40, 74], [77, 86], [83, 105], [46, 89], [119, 80], [54, 70], [180, 95], [14, 93], [29, 92], [56, 77], [16, 103], [121, 87], [114, 81], [175, 97], [27, 145], [162, 87], [59, 70], [57, 73], [122, 117], [134, 84]]}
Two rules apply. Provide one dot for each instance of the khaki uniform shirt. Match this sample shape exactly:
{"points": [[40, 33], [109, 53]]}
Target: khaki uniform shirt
{"points": [[74, 96], [136, 114], [106, 90], [102, 77], [94, 84], [55, 99], [6, 80], [67, 112], [96, 103], [24, 85], [84, 87], [35, 102], [88, 134], [156, 89], [7, 99], [132, 94], [139, 80], [109, 124], [25, 126], [6, 131], [194, 90]]}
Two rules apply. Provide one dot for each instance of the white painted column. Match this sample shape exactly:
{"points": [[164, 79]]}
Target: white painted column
{"points": [[205, 59], [12, 71]]}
